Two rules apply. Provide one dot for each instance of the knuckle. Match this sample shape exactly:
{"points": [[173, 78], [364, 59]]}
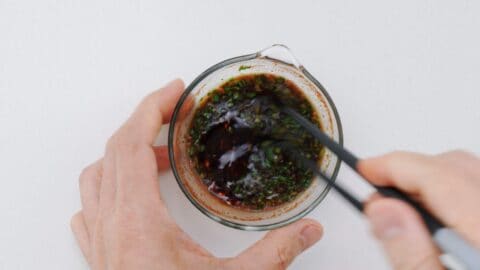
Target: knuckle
{"points": [[74, 221], [86, 174], [283, 258], [89, 174]]}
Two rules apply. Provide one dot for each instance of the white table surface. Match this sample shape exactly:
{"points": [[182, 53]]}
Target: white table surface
{"points": [[404, 75]]}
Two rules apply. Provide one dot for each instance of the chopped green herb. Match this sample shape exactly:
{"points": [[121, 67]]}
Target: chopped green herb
{"points": [[234, 137], [280, 80], [242, 67]]}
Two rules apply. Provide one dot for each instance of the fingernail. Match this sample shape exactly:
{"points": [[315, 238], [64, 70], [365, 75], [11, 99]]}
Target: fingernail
{"points": [[310, 235], [386, 225]]}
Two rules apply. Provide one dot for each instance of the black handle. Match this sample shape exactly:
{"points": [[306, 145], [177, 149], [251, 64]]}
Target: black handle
{"points": [[351, 160]]}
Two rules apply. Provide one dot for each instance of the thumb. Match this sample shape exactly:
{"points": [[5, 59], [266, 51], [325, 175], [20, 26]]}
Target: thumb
{"points": [[279, 247], [403, 235]]}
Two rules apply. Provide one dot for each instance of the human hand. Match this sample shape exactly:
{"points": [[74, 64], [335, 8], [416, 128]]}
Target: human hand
{"points": [[124, 224], [448, 185]]}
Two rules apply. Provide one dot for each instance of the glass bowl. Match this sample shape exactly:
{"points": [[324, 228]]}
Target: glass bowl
{"points": [[277, 60]]}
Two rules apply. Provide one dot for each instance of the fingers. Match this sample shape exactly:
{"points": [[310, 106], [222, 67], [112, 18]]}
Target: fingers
{"points": [[400, 169], [156, 109], [80, 231], [107, 186], [279, 247], [464, 163], [129, 159], [403, 235], [128, 168], [89, 183], [445, 192], [161, 155]]}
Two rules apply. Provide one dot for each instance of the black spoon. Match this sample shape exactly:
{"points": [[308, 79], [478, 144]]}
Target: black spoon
{"points": [[447, 239]]}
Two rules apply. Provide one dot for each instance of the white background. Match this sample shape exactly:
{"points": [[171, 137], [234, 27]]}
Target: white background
{"points": [[403, 74]]}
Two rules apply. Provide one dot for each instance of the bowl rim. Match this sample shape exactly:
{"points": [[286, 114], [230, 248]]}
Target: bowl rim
{"points": [[204, 210]]}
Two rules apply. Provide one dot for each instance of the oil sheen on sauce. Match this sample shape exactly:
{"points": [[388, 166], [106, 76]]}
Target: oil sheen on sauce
{"points": [[233, 142]]}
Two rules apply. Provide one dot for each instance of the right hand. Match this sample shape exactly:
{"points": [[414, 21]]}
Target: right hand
{"points": [[447, 185]]}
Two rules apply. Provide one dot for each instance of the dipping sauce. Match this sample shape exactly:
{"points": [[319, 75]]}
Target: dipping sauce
{"points": [[233, 142]]}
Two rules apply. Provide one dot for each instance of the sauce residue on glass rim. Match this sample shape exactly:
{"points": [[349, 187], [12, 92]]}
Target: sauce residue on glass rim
{"points": [[233, 142]]}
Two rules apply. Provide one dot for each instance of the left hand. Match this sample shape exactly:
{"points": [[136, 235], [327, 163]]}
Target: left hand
{"points": [[124, 224]]}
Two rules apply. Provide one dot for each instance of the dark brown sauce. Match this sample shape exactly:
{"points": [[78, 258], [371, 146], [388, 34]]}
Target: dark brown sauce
{"points": [[234, 139]]}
